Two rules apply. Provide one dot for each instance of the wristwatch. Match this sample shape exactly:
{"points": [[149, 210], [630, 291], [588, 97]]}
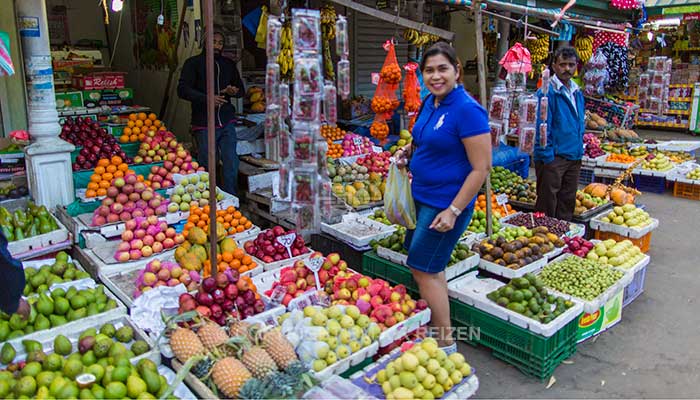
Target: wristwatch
{"points": [[456, 211]]}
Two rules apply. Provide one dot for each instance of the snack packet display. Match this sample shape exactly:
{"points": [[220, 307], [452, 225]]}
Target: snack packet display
{"points": [[526, 142], [330, 108], [274, 31], [306, 30], [344, 79], [496, 132], [342, 43], [543, 135]]}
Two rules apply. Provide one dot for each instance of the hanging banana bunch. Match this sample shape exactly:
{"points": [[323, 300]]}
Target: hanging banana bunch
{"points": [[328, 18], [539, 48], [419, 39], [584, 47], [286, 57]]}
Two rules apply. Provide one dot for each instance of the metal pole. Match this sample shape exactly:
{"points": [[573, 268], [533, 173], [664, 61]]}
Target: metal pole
{"points": [[481, 68], [211, 128]]}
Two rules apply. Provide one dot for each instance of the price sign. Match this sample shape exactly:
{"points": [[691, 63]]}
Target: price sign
{"points": [[278, 294], [375, 78], [357, 141], [502, 199], [314, 264], [286, 241]]}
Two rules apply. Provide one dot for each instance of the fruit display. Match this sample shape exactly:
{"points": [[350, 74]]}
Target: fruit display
{"points": [[39, 280], [623, 254], [660, 163], [584, 47], [694, 174], [676, 156], [350, 173], [519, 252], [103, 174], [593, 148], [192, 191], [128, 198], [585, 202], [511, 233], [539, 48], [620, 158], [512, 184], [579, 277], [11, 191], [379, 216], [332, 133], [138, 125], [424, 371], [623, 135], [267, 247], [639, 151], [163, 146], [595, 121], [335, 150], [224, 296], [56, 309], [242, 361], [379, 129], [405, 138], [419, 39], [480, 205], [329, 335], [478, 221], [297, 279], [95, 141], [354, 145], [528, 296], [619, 194], [26, 222], [83, 374], [460, 253], [628, 215], [285, 58], [256, 96], [376, 162], [393, 242], [165, 273], [144, 237], [577, 246], [359, 194], [533, 220]]}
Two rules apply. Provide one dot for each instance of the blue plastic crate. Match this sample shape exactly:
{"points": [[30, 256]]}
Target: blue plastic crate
{"points": [[586, 176], [652, 184], [635, 288]]}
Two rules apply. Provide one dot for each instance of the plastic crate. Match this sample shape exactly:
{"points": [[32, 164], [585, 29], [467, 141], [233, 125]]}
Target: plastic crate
{"points": [[635, 288], [586, 176], [377, 267], [650, 184], [532, 354], [327, 244], [644, 243], [686, 190]]}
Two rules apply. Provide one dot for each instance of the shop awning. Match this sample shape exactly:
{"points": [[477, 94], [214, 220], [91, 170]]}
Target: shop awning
{"points": [[674, 6]]}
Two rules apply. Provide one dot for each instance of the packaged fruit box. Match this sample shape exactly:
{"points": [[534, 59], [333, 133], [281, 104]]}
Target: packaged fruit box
{"points": [[418, 377], [476, 292], [59, 318], [555, 276], [357, 230], [83, 339]]}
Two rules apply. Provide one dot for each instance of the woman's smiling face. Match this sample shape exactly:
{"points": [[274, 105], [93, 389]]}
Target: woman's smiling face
{"points": [[439, 75]]}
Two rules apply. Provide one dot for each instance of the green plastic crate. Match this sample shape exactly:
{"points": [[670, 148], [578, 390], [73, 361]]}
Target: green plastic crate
{"points": [[395, 274], [533, 354], [327, 244]]}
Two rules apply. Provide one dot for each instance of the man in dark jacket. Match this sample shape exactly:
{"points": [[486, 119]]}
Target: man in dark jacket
{"points": [[558, 164], [227, 84], [12, 278]]}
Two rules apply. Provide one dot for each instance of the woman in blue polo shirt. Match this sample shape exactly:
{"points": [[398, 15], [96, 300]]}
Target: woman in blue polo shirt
{"points": [[450, 159]]}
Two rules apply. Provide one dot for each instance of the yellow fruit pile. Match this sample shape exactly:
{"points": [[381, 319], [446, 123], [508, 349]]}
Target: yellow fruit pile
{"points": [[138, 125]]}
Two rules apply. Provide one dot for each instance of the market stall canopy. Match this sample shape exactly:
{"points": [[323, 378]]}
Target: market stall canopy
{"points": [[586, 10], [694, 5]]}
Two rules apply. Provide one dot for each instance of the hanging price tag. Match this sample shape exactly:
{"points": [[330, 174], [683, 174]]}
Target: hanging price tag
{"points": [[375, 78], [314, 264], [161, 19], [357, 141], [502, 199], [286, 241], [278, 293]]}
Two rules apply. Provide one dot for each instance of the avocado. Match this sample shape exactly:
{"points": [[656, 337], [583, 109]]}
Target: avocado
{"points": [[517, 307]]}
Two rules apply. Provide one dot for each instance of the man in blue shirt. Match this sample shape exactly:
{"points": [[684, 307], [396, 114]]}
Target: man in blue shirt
{"points": [[558, 164]]}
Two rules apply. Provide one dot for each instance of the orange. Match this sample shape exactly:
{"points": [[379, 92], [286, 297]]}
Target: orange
{"points": [[102, 192], [231, 209], [157, 123], [96, 178], [237, 215], [242, 220], [248, 225], [118, 174], [194, 218], [147, 122], [103, 162], [142, 116], [132, 117], [127, 130], [107, 176], [123, 167], [104, 184], [136, 130], [93, 186], [201, 224], [152, 116], [227, 257], [116, 160], [139, 124], [91, 193], [240, 228], [140, 137], [111, 168], [139, 178], [188, 226], [130, 124], [246, 260], [234, 222], [223, 266], [124, 139], [130, 172], [238, 254], [218, 257], [99, 170]]}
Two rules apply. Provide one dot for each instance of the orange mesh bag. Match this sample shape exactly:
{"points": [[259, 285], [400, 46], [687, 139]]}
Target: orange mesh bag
{"points": [[379, 129], [411, 90], [391, 72]]}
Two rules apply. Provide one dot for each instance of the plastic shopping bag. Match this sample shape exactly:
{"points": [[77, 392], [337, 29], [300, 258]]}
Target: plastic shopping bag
{"points": [[398, 200]]}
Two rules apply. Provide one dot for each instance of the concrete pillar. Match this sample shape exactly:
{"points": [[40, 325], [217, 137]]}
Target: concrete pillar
{"points": [[48, 157]]}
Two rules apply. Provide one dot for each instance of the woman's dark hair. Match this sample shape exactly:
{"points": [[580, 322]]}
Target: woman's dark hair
{"points": [[443, 48]]}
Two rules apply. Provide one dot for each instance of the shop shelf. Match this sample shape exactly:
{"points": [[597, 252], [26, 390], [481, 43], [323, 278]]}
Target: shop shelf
{"points": [[646, 183], [585, 176], [636, 287], [686, 190], [644, 242], [532, 354]]}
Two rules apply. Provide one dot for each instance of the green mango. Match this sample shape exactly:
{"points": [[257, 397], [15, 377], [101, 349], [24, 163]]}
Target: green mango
{"points": [[44, 225], [31, 346], [4, 330], [33, 230], [19, 218], [19, 235], [17, 322], [45, 305], [62, 345], [7, 354], [7, 231], [57, 320], [41, 323]]}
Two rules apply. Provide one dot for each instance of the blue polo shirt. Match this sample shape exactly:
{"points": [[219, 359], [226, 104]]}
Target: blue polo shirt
{"points": [[440, 163]]}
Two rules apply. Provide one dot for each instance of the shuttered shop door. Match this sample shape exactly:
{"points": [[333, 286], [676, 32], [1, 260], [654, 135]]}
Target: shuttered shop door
{"points": [[369, 35]]}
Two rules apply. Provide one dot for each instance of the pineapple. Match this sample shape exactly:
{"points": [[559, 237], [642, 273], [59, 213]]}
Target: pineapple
{"points": [[254, 389], [212, 335], [240, 328], [279, 348], [185, 344], [258, 361], [230, 375]]}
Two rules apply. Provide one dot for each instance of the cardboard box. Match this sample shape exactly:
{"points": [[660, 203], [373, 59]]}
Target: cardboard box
{"points": [[99, 80], [69, 99], [70, 65], [592, 324], [108, 97]]}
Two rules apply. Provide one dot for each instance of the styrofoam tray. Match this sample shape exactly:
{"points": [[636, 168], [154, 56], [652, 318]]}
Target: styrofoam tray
{"points": [[614, 165], [458, 269], [74, 335], [680, 145], [649, 172], [594, 305], [37, 242], [181, 391], [107, 251], [107, 230], [393, 256], [554, 253], [594, 161], [405, 327], [50, 334], [36, 264], [574, 228], [340, 230], [461, 391], [104, 268], [283, 263], [512, 273], [633, 233], [81, 194], [343, 365], [678, 173], [473, 291]]}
